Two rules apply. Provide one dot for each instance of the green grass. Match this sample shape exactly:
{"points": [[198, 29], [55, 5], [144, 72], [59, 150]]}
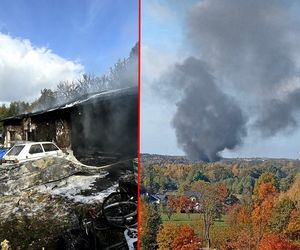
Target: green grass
{"points": [[179, 217], [218, 232], [183, 217], [195, 221]]}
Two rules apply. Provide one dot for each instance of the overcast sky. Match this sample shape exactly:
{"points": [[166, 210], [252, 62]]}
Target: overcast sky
{"points": [[43, 42], [253, 51]]}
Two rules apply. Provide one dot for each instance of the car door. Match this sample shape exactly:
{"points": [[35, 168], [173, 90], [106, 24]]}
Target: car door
{"points": [[35, 152]]}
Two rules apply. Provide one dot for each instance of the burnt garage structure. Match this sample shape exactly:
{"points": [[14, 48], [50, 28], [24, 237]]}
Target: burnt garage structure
{"points": [[105, 122]]}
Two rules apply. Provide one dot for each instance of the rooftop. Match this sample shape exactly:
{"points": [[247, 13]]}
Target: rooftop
{"points": [[84, 99]]}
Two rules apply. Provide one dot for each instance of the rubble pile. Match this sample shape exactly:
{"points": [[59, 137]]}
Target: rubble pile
{"points": [[16, 178], [42, 199]]}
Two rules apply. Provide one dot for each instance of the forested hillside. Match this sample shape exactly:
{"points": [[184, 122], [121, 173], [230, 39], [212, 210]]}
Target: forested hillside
{"points": [[239, 204]]}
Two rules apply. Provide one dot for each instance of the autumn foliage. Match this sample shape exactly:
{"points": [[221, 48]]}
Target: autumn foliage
{"points": [[180, 203], [241, 205], [166, 236], [293, 228], [270, 224], [275, 242], [186, 239], [149, 225], [174, 237]]}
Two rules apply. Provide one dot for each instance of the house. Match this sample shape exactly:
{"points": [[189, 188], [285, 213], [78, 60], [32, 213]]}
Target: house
{"points": [[156, 198], [231, 200], [192, 195], [195, 198], [104, 122]]}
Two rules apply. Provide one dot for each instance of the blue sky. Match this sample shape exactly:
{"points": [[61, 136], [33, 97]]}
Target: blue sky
{"points": [[162, 45], [93, 32], [44, 42]]}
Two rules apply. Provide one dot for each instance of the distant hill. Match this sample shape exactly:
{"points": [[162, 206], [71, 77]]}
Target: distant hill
{"points": [[164, 159], [170, 159], [160, 173]]}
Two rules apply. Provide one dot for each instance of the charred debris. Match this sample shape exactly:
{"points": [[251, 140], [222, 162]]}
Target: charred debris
{"points": [[100, 128], [59, 203]]}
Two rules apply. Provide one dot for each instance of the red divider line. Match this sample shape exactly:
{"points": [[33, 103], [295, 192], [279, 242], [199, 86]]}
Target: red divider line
{"points": [[139, 119]]}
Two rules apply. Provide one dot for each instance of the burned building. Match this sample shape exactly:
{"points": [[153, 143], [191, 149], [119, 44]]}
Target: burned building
{"points": [[105, 122]]}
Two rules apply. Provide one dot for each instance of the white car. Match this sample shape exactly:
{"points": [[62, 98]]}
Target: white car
{"points": [[31, 151]]}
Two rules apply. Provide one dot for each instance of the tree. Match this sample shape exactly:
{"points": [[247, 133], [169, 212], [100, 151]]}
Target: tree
{"points": [[3, 111], [276, 242], [185, 204], [241, 240], [285, 183], [144, 221], [166, 235], [293, 193], [168, 211], [169, 184], [173, 203], [180, 203], [16, 108], [211, 203], [280, 216], [265, 190], [238, 215], [265, 178], [186, 239], [221, 174], [248, 184], [150, 222], [199, 176], [293, 227], [66, 91], [46, 100], [184, 186], [261, 214]]}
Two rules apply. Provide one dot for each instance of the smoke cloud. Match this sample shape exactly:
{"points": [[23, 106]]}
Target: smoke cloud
{"points": [[251, 50], [253, 45], [207, 120]]}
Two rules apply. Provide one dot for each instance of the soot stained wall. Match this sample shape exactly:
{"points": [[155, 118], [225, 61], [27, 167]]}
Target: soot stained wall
{"points": [[107, 126]]}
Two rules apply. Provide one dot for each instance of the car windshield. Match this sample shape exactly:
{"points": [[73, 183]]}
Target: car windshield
{"points": [[16, 150]]}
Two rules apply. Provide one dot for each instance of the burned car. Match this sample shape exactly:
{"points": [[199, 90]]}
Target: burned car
{"points": [[31, 151]]}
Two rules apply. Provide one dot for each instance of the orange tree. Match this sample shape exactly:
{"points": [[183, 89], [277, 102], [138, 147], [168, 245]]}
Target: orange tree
{"points": [[186, 239], [166, 235], [276, 242], [261, 215], [241, 240], [149, 225], [179, 203], [266, 177], [266, 192], [144, 221], [239, 228], [293, 227]]}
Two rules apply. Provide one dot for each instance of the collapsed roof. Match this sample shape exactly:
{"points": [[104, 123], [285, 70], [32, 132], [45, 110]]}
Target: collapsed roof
{"points": [[82, 100]]}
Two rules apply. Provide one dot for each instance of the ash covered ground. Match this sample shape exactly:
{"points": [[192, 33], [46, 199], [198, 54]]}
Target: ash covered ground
{"points": [[40, 200]]}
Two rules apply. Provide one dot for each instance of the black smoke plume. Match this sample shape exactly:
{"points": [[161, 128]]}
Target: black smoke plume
{"points": [[207, 120], [252, 49], [253, 45]]}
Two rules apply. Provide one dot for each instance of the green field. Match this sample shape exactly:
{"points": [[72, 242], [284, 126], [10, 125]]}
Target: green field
{"points": [[218, 230], [182, 218]]}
